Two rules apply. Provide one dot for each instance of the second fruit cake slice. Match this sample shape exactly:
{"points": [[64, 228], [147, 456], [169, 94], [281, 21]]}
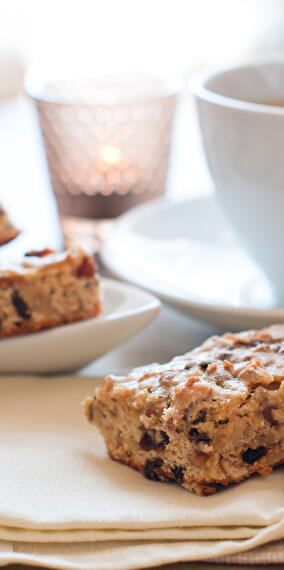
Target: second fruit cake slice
{"points": [[46, 289]]}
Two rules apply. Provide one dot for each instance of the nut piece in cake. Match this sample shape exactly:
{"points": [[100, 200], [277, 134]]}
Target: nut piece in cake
{"points": [[211, 417], [7, 229], [47, 289]]}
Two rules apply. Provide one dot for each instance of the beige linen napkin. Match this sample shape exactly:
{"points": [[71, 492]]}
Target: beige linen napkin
{"points": [[57, 485]]}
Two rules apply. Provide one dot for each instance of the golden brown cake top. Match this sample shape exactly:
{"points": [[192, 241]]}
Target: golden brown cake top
{"points": [[36, 261], [223, 371]]}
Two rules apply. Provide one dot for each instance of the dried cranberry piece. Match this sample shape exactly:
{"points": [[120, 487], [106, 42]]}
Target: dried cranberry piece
{"points": [[198, 435], [245, 343], [151, 469], [20, 305], [39, 253], [252, 455], [177, 472], [146, 442], [153, 439], [87, 268], [201, 417]]}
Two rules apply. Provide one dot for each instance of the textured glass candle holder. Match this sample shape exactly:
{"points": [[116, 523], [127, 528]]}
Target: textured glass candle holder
{"points": [[107, 142]]}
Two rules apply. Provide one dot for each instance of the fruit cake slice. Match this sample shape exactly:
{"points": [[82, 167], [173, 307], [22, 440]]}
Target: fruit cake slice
{"points": [[7, 229], [47, 289], [209, 418]]}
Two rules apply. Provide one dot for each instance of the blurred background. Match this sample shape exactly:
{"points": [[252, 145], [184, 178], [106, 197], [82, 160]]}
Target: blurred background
{"points": [[168, 34], [158, 36]]}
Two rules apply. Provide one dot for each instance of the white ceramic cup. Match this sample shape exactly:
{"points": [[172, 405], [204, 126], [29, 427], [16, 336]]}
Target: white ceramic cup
{"points": [[244, 144]]}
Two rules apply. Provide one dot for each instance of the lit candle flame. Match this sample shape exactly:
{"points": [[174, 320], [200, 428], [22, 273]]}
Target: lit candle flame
{"points": [[110, 154]]}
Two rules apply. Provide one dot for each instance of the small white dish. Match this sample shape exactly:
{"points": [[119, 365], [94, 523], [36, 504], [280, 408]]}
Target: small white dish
{"points": [[186, 253], [126, 310]]}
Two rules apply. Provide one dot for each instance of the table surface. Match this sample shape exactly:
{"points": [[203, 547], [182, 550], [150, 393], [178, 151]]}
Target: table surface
{"points": [[27, 194]]}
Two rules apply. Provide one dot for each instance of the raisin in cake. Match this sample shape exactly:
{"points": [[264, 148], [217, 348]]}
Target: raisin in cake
{"points": [[209, 418], [7, 229], [47, 289]]}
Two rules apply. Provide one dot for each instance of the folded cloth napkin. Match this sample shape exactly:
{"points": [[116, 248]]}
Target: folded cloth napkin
{"points": [[58, 486]]}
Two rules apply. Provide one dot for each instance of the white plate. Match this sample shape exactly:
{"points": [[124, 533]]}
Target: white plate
{"points": [[186, 253], [126, 310]]}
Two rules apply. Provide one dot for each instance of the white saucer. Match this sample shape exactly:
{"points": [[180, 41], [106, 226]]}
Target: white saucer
{"points": [[186, 253], [126, 310]]}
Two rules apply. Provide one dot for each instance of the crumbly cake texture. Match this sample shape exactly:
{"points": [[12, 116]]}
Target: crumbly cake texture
{"points": [[7, 229], [209, 418], [47, 289]]}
